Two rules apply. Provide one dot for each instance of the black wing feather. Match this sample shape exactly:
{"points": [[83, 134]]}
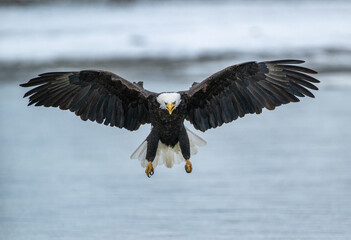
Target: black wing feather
{"points": [[246, 88], [99, 96]]}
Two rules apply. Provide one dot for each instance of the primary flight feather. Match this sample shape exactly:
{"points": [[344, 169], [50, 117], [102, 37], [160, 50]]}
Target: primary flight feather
{"points": [[237, 90]]}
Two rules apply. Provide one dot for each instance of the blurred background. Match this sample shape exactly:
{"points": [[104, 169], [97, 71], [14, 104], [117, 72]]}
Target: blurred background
{"points": [[284, 174]]}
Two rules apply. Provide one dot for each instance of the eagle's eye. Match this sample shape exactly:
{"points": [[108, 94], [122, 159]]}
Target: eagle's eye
{"points": [[174, 103]]}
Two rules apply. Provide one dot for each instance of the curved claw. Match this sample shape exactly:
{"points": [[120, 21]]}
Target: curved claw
{"points": [[149, 170], [188, 166]]}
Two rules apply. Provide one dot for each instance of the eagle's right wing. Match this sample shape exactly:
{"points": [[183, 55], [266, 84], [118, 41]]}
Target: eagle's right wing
{"points": [[99, 96], [246, 88]]}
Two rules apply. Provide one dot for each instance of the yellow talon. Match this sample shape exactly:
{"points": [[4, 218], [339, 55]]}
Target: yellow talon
{"points": [[149, 170], [188, 166]]}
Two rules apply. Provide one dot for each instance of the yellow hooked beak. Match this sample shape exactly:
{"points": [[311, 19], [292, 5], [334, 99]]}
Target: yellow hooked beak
{"points": [[170, 108]]}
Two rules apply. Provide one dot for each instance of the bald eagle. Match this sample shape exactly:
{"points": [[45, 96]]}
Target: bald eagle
{"points": [[237, 90]]}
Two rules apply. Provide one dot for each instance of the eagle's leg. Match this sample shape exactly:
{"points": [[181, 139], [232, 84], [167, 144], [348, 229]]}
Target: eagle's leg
{"points": [[149, 170], [152, 144], [188, 166], [185, 148]]}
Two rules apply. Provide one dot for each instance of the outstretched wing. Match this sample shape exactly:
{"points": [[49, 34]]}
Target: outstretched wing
{"points": [[246, 88], [99, 96]]}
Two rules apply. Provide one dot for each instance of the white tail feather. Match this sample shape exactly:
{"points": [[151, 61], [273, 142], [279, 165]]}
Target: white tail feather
{"points": [[167, 155], [140, 153]]}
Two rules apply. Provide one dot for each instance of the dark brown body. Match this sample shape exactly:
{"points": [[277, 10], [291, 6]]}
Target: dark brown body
{"points": [[167, 128]]}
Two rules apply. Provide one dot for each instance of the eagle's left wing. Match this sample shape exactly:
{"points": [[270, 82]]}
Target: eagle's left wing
{"points": [[246, 88]]}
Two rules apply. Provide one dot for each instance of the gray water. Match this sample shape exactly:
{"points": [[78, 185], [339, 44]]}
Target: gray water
{"points": [[284, 174]]}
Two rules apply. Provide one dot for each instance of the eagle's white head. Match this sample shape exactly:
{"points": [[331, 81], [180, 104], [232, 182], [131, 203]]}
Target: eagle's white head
{"points": [[169, 101]]}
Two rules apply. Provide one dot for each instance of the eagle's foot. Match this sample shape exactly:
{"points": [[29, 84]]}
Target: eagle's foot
{"points": [[188, 166], [149, 170]]}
